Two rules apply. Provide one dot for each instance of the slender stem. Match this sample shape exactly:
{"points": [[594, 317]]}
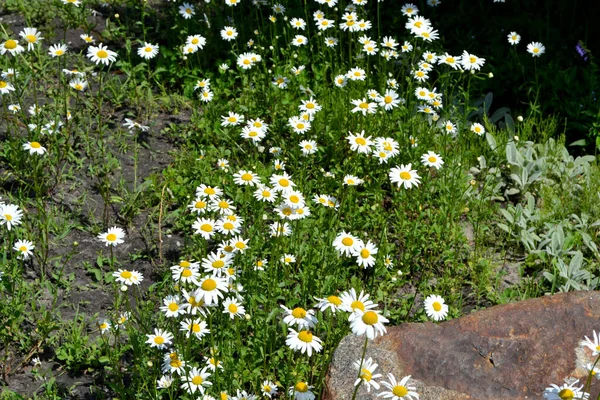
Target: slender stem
{"points": [[362, 359]]}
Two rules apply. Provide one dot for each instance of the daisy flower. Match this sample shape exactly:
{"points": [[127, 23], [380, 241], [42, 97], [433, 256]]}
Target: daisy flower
{"points": [[12, 47], [34, 148], [389, 100], [282, 183], [568, 391], [298, 125], [363, 106], [470, 62], [420, 75], [268, 388], [477, 128], [196, 327], [186, 10], [32, 36], [265, 193], [353, 303], [399, 390], [356, 74], [300, 317], [281, 82], [340, 80], [78, 84], [430, 159], [160, 339], [113, 236], [593, 345], [346, 243], [57, 50], [233, 308], [409, 9], [164, 382], [128, 278], [25, 248], [366, 373], [514, 38], [351, 180], [298, 23], [148, 51], [303, 341], [87, 38], [536, 49], [204, 227], [299, 40], [76, 3], [196, 380], [101, 54], [308, 147], [452, 61], [213, 364], [330, 302], [196, 41], [301, 391], [364, 254], [103, 325], [172, 307], [211, 289], [244, 177], [199, 205], [405, 176], [209, 191], [359, 143], [369, 323], [435, 307], [229, 33], [172, 363]]}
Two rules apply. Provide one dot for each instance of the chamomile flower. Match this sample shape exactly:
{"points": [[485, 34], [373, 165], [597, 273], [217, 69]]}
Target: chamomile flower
{"points": [[363, 106], [399, 390], [160, 339], [356, 74], [113, 236], [25, 248], [477, 128], [32, 36], [34, 148], [301, 391], [233, 308], [12, 47], [366, 373], [303, 341], [265, 193], [87, 38], [57, 50], [205, 227], [567, 391], [196, 41], [346, 243], [282, 183], [435, 307], [359, 143], [229, 33], [101, 54], [299, 40], [340, 80], [369, 323], [471, 61], [593, 345], [536, 49], [405, 176], [364, 253], [148, 51], [268, 388], [430, 159], [194, 327], [127, 277], [389, 100], [308, 147]]}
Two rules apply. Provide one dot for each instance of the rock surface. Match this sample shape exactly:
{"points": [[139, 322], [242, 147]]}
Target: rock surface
{"points": [[511, 351]]}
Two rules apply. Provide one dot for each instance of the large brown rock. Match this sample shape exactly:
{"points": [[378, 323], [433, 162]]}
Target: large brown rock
{"points": [[511, 351]]}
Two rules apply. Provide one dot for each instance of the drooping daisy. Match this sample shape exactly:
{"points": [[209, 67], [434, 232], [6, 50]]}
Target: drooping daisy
{"points": [[160, 339], [536, 49], [303, 341], [366, 374], [101, 54], [430, 159], [404, 176], [399, 390], [148, 51], [25, 248], [34, 148], [113, 236], [435, 307]]}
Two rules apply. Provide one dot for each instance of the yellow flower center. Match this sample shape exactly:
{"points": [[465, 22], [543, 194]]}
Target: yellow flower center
{"points": [[240, 245], [233, 308], [200, 204], [187, 273], [206, 228], [8, 217], [536, 50], [111, 237], [366, 374], [209, 284], [100, 54], [436, 306], [23, 248], [299, 312], [266, 388], [175, 363], [36, 145], [159, 340], [370, 318], [3, 84], [399, 391], [247, 177], [103, 325], [364, 106], [195, 41], [60, 52], [197, 380], [301, 387], [246, 61], [359, 140], [405, 175], [196, 328], [31, 38], [10, 44], [432, 159], [287, 211], [357, 305], [218, 264], [387, 99], [126, 274], [305, 336], [184, 264], [566, 394], [173, 307], [364, 253], [300, 125], [294, 199], [284, 182], [420, 74], [188, 11], [472, 60], [266, 193], [148, 49], [334, 300]]}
